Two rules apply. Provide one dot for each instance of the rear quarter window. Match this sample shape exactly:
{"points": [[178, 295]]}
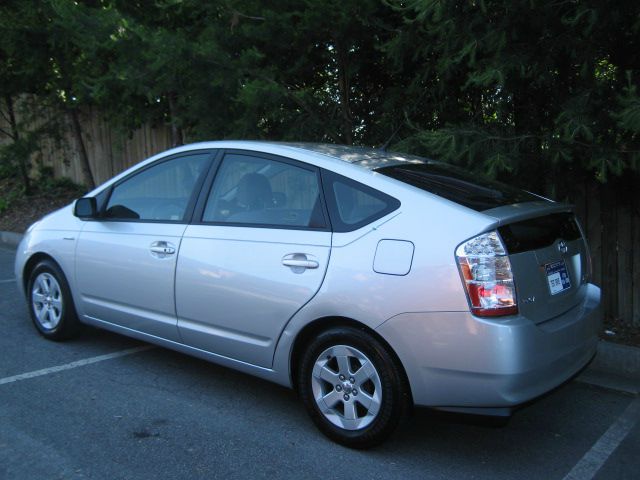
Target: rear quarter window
{"points": [[353, 205]]}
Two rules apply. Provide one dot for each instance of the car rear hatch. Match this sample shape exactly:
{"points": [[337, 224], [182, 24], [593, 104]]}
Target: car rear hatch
{"points": [[549, 257]]}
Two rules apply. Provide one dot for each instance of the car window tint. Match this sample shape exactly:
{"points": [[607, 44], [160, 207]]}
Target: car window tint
{"points": [[261, 191], [355, 205], [161, 192]]}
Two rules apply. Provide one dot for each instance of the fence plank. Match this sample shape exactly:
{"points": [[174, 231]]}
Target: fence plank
{"points": [[594, 229], [578, 197], [635, 251], [609, 251], [109, 151], [625, 262]]}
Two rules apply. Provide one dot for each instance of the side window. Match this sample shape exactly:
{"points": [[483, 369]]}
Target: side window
{"points": [[161, 192], [352, 204], [261, 191]]}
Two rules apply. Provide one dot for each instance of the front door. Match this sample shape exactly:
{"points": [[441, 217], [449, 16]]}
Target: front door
{"points": [[126, 259]]}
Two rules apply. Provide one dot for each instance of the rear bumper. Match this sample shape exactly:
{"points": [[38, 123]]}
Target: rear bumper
{"points": [[454, 359]]}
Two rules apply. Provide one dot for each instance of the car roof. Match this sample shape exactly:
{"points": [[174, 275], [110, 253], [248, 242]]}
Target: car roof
{"points": [[367, 157]]}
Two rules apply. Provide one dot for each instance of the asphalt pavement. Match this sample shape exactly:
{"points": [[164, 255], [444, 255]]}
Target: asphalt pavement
{"points": [[108, 407]]}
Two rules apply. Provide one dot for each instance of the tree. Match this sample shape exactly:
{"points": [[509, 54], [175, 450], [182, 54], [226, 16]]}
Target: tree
{"points": [[313, 70], [524, 87], [506, 87], [23, 71]]}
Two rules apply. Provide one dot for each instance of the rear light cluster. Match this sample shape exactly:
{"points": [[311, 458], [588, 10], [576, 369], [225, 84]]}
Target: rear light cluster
{"points": [[488, 279]]}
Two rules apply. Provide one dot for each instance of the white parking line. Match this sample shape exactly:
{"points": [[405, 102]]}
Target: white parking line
{"points": [[77, 363], [596, 457], [9, 280]]}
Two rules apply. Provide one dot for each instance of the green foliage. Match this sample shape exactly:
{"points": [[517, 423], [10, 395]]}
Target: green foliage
{"points": [[521, 87], [628, 117], [6, 200], [50, 185], [13, 154], [511, 88]]}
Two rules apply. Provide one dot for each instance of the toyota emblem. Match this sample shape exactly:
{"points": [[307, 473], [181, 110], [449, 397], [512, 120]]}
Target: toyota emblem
{"points": [[562, 246]]}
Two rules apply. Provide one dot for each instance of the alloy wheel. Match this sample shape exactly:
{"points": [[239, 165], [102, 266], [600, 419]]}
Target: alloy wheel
{"points": [[46, 298], [346, 387]]}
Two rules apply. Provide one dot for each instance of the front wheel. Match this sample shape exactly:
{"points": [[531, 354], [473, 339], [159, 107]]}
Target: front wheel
{"points": [[50, 303], [352, 387]]}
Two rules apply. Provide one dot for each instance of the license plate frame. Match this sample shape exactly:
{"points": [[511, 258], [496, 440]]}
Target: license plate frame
{"points": [[558, 279]]}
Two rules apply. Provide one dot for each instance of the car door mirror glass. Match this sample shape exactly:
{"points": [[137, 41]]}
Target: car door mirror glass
{"points": [[85, 208]]}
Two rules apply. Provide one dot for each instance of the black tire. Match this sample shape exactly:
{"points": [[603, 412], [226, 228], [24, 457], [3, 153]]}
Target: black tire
{"points": [[373, 424], [50, 303]]}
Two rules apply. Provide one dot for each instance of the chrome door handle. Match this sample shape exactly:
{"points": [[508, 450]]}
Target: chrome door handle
{"points": [[299, 261], [162, 248]]}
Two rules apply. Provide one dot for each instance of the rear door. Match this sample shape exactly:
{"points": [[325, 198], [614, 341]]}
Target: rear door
{"points": [[257, 255]]}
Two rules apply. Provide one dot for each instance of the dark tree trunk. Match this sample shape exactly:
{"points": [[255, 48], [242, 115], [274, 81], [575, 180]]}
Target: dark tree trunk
{"points": [[344, 86], [82, 150], [23, 163], [177, 137]]}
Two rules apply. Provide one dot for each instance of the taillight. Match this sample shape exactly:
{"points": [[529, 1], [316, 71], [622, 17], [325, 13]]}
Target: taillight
{"points": [[488, 279]]}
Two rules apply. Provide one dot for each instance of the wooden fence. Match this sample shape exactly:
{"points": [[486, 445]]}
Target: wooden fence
{"points": [[610, 216], [610, 213], [109, 151]]}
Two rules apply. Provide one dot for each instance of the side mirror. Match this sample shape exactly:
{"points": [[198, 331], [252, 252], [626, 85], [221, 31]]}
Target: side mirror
{"points": [[85, 208]]}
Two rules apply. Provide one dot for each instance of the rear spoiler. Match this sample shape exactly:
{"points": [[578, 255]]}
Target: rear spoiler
{"points": [[523, 211]]}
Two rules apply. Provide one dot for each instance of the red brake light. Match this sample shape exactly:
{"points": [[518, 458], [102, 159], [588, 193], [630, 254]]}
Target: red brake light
{"points": [[488, 279]]}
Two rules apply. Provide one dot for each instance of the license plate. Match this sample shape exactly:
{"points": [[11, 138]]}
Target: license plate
{"points": [[557, 277]]}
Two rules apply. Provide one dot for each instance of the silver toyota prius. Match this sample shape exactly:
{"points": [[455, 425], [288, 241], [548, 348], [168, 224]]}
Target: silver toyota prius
{"points": [[368, 281]]}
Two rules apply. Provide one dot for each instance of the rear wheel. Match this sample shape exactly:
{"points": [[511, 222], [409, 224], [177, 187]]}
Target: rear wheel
{"points": [[50, 303], [352, 387]]}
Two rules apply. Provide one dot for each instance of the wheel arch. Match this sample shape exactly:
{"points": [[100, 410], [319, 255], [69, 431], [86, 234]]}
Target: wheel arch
{"points": [[322, 324], [68, 324], [31, 263]]}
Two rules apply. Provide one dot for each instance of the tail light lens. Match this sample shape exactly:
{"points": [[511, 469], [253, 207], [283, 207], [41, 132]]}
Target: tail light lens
{"points": [[488, 279]]}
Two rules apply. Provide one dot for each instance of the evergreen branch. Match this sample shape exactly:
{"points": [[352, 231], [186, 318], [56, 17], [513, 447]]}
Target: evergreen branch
{"points": [[301, 103], [498, 138], [385, 145], [4, 132], [414, 107], [4, 116], [250, 17], [560, 4], [612, 150], [520, 138], [312, 113], [236, 15]]}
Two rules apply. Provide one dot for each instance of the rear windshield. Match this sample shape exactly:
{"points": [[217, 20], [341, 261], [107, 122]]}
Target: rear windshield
{"points": [[539, 232], [454, 184]]}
